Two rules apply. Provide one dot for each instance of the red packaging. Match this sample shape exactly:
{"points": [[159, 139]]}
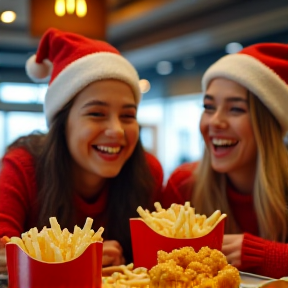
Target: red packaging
{"points": [[84, 271], [146, 242]]}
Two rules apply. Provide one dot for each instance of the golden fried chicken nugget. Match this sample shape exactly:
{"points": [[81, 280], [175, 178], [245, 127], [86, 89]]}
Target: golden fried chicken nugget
{"points": [[187, 269], [227, 277], [182, 257]]}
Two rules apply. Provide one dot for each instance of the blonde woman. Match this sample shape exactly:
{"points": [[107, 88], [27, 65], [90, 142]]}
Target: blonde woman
{"points": [[244, 170]]}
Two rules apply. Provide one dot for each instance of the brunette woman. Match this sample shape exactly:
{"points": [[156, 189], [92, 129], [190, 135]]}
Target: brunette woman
{"points": [[91, 162]]}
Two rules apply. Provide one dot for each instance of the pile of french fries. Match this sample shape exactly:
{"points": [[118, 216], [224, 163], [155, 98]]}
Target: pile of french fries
{"points": [[180, 221], [56, 245], [126, 276]]}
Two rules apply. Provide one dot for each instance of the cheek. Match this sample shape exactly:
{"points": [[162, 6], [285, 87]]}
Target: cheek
{"points": [[245, 129], [132, 134], [79, 136]]}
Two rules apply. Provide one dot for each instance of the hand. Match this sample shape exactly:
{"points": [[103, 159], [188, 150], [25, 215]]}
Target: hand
{"points": [[231, 248], [112, 253]]}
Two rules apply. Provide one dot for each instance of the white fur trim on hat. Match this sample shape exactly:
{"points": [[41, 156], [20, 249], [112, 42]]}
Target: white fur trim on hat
{"points": [[257, 78], [83, 71], [38, 72]]}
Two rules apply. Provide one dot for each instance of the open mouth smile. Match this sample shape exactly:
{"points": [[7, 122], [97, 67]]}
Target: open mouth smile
{"points": [[223, 143], [107, 149]]}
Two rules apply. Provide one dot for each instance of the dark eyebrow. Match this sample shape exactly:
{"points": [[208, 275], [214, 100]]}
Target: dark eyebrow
{"points": [[95, 103], [230, 99], [130, 106], [101, 103]]}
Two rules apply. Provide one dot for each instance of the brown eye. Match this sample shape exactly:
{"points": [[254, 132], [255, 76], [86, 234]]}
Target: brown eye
{"points": [[208, 107], [96, 114], [238, 109]]}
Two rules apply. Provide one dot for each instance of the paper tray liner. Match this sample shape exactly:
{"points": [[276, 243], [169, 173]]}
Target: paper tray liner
{"points": [[84, 271], [146, 242]]}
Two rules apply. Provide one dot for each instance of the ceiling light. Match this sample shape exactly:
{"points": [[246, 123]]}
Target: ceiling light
{"points": [[8, 16], [81, 8], [164, 67], [59, 8], [70, 6], [144, 85], [233, 47]]}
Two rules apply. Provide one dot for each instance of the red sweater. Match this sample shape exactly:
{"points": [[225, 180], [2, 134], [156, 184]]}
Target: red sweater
{"points": [[259, 256], [18, 192]]}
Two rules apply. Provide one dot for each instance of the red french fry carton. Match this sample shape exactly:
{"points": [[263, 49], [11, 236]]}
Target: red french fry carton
{"points": [[146, 242], [85, 271]]}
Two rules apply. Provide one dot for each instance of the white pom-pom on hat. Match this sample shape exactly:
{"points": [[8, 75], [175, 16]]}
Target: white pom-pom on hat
{"points": [[38, 72]]}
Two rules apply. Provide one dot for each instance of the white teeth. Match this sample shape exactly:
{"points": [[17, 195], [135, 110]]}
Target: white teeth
{"points": [[110, 150], [222, 142]]}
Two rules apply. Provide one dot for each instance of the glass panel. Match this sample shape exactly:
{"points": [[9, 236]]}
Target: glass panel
{"points": [[150, 116], [172, 125], [22, 92], [183, 141], [30, 121]]}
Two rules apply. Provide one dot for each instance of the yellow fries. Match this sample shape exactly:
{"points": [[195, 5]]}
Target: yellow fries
{"points": [[180, 221], [56, 245]]}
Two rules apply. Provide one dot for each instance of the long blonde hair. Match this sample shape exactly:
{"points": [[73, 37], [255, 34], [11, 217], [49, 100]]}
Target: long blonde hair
{"points": [[271, 182]]}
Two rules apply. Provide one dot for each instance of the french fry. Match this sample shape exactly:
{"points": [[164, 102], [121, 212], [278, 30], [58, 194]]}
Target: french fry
{"points": [[158, 207], [19, 242], [180, 221], [126, 276], [56, 245], [55, 227], [213, 218]]}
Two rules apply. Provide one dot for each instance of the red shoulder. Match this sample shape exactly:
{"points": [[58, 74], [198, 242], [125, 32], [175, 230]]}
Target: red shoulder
{"points": [[17, 191], [158, 175], [19, 155], [183, 172], [178, 188], [155, 167]]}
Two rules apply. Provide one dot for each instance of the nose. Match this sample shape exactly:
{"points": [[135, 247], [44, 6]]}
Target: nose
{"points": [[114, 129], [218, 120]]}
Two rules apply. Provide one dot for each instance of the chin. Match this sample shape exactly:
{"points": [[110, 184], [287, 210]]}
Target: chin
{"points": [[109, 174], [220, 168]]}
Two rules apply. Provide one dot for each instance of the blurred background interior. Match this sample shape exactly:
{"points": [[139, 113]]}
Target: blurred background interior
{"points": [[170, 42]]}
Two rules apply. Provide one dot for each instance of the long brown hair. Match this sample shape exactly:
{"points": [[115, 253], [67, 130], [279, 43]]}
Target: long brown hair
{"points": [[132, 187], [271, 182]]}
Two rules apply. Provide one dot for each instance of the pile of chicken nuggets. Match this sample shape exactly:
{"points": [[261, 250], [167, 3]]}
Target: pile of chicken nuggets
{"points": [[184, 268]]}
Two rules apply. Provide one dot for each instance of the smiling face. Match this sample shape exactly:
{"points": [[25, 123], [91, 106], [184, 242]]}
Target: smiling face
{"points": [[226, 127], [95, 129]]}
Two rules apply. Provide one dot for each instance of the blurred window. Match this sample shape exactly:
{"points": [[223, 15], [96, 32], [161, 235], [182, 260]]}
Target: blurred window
{"points": [[23, 123], [183, 140], [15, 118], [170, 129], [150, 116], [22, 93]]}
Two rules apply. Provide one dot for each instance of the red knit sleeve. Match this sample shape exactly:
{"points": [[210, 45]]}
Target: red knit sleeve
{"points": [[177, 189], [264, 257], [157, 173], [16, 179]]}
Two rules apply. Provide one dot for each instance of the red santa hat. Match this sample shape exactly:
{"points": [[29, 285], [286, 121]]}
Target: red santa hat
{"points": [[71, 62], [263, 70]]}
